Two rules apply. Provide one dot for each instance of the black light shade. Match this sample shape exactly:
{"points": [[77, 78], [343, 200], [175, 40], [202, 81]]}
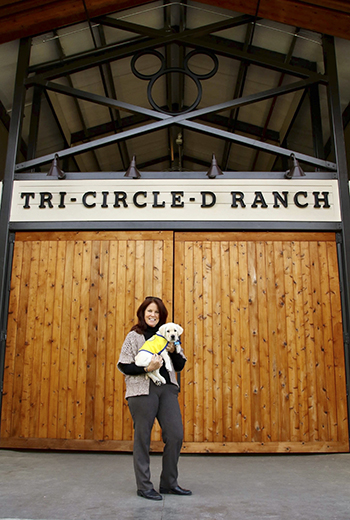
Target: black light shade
{"points": [[295, 168], [132, 171], [55, 170], [214, 169]]}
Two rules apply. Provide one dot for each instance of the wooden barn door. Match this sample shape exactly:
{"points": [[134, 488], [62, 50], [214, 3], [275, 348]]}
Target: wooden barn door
{"points": [[73, 299], [263, 337]]}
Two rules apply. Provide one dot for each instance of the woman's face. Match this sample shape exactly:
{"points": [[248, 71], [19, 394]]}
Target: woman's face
{"points": [[152, 315]]}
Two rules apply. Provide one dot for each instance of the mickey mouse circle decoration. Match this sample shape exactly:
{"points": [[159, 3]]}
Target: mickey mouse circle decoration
{"points": [[152, 78]]}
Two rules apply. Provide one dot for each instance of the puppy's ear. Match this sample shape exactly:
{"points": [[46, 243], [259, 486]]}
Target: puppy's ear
{"points": [[180, 329], [162, 329]]}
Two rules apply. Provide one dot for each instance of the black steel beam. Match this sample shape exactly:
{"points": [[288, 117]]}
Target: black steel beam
{"points": [[258, 145], [34, 122], [123, 25], [100, 100], [316, 121], [5, 119], [230, 50], [340, 154], [12, 149], [346, 119]]}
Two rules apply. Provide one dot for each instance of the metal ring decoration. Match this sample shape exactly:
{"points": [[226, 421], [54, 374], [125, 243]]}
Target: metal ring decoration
{"points": [[147, 76], [207, 53], [167, 71], [152, 78]]}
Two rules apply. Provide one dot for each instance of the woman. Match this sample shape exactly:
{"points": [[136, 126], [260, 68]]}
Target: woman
{"points": [[148, 401]]}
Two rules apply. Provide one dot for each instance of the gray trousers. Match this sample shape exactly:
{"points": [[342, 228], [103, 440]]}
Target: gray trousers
{"points": [[161, 403]]}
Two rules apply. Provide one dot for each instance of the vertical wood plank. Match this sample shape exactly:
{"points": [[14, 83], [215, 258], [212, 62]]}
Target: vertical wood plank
{"points": [[218, 346], [226, 342], [263, 346], [338, 345], [72, 397], [83, 339], [140, 280], [318, 342], [120, 406], [91, 357], [208, 356], [309, 342], [328, 352], [198, 340], [58, 248], [236, 344], [14, 319], [111, 360], [300, 341], [55, 369], [26, 400], [21, 340], [282, 360], [150, 290], [254, 342], [293, 395], [99, 417], [189, 373], [245, 343], [64, 393], [272, 335], [168, 274], [157, 265], [50, 278]]}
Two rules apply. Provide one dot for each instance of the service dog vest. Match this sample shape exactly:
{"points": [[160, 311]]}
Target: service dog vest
{"points": [[155, 345]]}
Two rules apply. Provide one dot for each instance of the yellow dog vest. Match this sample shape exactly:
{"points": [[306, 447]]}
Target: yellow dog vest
{"points": [[154, 345]]}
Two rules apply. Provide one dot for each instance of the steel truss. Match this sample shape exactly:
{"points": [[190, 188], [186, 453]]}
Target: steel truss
{"points": [[150, 40]]}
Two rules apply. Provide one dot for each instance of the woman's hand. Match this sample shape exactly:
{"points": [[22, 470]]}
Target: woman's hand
{"points": [[156, 362], [171, 348]]}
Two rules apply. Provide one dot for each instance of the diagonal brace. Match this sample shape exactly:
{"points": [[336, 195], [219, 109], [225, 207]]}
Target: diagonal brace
{"points": [[165, 120]]}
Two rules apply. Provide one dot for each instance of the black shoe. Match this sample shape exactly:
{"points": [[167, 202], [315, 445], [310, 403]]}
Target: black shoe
{"points": [[151, 494], [177, 490]]}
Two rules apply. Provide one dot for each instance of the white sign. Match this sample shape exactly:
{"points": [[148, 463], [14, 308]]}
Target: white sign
{"points": [[175, 200]]}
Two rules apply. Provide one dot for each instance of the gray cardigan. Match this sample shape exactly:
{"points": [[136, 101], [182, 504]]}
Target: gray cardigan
{"points": [[138, 385]]}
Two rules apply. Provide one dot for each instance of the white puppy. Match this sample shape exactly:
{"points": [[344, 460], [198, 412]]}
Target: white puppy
{"points": [[157, 344]]}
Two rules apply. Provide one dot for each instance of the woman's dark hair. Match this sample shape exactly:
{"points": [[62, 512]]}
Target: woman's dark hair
{"points": [[141, 326]]}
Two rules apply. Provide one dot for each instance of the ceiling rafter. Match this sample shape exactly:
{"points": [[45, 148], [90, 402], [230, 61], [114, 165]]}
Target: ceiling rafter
{"points": [[117, 51], [31, 17]]}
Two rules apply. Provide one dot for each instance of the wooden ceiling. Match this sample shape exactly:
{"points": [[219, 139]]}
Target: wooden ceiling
{"points": [[20, 18]]}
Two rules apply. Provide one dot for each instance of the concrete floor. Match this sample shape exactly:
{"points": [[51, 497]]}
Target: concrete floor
{"points": [[100, 486]]}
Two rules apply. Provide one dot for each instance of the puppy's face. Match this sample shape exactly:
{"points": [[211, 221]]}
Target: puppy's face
{"points": [[171, 331]]}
